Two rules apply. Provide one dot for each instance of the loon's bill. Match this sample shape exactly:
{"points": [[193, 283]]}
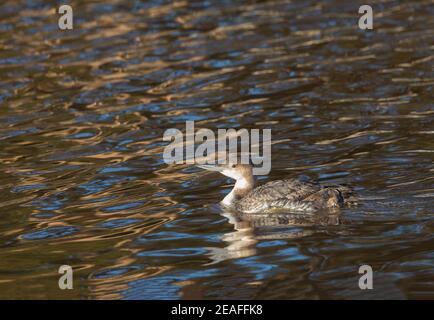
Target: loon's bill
{"points": [[211, 167], [289, 194]]}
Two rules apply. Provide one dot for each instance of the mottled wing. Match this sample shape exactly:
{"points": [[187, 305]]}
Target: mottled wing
{"points": [[283, 194], [291, 189]]}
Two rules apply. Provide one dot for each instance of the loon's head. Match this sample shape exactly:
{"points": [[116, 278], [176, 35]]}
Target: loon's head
{"points": [[234, 171], [242, 173]]}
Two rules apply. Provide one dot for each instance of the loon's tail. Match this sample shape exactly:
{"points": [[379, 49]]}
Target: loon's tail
{"points": [[347, 193]]}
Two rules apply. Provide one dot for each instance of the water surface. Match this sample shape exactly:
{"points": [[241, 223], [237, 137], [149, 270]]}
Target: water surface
{"points": [[83, 182]]}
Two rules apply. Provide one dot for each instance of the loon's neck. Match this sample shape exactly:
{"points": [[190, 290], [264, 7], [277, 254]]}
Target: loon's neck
{"points": [[240, 189]]}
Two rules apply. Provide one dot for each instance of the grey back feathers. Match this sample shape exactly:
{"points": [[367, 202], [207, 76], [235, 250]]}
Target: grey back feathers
{"points": [[292, 195]]}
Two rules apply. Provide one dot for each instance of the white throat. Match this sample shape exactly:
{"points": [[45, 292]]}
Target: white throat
{"points": [[231, 198]]}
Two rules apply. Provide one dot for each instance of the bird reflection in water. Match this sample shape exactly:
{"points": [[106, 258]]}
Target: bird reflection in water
{"points": [[250, 229]]}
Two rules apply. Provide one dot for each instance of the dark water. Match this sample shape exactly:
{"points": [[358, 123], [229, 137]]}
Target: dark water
{"points": [[82, 178]]}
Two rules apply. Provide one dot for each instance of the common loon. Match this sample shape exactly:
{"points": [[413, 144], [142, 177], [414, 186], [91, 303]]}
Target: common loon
{"points": [[286, 195]]}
